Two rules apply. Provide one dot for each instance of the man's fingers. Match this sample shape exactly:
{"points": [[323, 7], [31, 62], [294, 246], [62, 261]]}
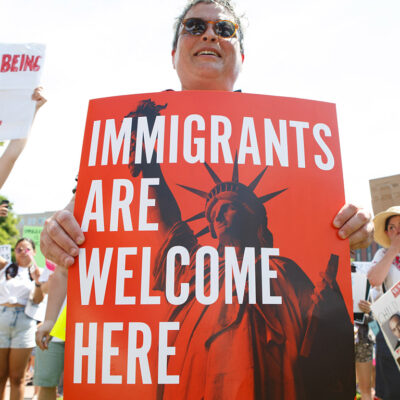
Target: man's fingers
{"points": [[53, 252], [60, 238], [69, 224], [362, 238], [345, 213], [355, 224]]}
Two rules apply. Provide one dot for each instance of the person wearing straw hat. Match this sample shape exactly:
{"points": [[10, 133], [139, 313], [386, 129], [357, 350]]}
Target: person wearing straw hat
{"points": [[385, 271], [386, 263]]}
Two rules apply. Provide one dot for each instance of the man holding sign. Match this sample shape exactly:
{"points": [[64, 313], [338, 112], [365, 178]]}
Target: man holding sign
{"points": [[276, 342]]}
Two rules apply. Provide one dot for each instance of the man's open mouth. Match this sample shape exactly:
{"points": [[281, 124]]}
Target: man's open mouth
{"points": [[207, 53]]}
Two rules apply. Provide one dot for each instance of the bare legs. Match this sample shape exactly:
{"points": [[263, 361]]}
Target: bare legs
{"points": [[4, 354], [13, 363], [364, 375], [47, 393]]}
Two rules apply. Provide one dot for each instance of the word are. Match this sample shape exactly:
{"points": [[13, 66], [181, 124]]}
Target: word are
{"points": [[121, 200], [135, 354], [213, 135], [19, 62], [238, 278]]}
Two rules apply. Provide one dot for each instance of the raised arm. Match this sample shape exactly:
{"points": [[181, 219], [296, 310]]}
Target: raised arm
{"points": [[15, 147], [166, 211], [57, 294], [378, 272], [3, 262]]}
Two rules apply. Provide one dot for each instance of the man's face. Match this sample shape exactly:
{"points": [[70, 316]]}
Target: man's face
{"points": [[394, 325], [207, 61], [393, 227]]}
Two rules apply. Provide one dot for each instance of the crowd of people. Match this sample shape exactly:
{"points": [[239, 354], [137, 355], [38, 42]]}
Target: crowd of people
{"points": [[207, 53]]}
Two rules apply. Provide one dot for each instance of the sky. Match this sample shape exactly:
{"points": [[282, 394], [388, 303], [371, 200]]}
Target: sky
{"points": [[341, 51]]}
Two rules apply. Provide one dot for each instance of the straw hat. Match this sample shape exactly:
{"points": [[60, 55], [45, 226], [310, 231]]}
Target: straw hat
{"points": [[379, 222]]}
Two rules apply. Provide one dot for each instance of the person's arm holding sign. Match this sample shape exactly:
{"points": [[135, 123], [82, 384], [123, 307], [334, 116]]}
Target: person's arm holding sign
{"points": [[57, 290], [15, 147]]}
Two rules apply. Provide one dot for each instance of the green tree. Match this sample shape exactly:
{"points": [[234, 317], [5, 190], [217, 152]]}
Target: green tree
{"points": [[9, 233]]}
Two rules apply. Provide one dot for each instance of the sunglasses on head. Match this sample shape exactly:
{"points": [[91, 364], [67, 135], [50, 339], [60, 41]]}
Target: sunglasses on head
{"points": [[222, 28]]}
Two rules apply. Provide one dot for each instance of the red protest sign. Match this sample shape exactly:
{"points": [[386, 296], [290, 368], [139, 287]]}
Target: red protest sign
{"points": [[211, 268]]}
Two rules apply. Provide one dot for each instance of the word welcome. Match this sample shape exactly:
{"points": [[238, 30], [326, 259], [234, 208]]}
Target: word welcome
{"points": [[95, 274]]}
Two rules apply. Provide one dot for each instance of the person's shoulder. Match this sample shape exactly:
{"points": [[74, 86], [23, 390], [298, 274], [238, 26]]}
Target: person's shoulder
{"points": [[379, 255]]}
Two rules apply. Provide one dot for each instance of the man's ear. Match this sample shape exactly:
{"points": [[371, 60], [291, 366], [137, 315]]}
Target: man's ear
{"points": [[173, 58]]}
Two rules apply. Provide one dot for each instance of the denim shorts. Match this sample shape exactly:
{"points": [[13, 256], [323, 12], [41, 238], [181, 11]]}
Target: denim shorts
{"points": [[49, 365], [17, 330]]}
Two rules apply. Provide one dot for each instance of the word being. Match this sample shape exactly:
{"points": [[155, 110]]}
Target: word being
{"points": [[200, 136], [135, 353], [19, 62], [239, 276]]}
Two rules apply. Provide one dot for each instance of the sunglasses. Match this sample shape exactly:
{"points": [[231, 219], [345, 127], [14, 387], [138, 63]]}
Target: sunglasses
{"points": [[222, 28], [21, 250]]}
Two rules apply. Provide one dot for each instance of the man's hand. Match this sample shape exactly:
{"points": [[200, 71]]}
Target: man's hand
{"points": [[43, 334], [354, 223], [61, 237]]}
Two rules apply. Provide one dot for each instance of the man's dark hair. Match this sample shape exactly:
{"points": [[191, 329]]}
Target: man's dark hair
{"points": [[397, 315], [226, 4]]}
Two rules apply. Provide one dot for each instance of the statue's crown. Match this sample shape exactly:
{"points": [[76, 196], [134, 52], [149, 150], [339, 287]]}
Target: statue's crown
{"points": [[231, 190]]}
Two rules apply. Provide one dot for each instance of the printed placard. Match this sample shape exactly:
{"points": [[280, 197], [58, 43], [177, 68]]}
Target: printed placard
{"points": [[360, 287], [33, 232], [21, 66], [5, 252], [211, 268], [386, 311]]}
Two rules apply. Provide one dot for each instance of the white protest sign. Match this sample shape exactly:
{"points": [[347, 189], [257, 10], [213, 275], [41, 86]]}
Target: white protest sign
{"points": [[20, 71], [5, 252], [21, 65], [386, 311], [359, 284]]}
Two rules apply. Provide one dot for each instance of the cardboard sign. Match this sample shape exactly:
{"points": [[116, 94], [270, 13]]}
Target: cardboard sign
{"points": [[33, 232], [5, 252], [211, 268], [21, 67], [386, 311], [360, 287]]}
